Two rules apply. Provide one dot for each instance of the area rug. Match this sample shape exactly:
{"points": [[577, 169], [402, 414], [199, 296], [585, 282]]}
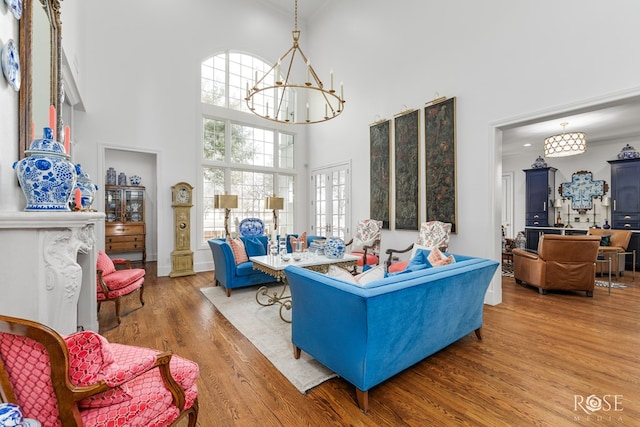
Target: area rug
{"points": [[605, 284], [268, 333]]}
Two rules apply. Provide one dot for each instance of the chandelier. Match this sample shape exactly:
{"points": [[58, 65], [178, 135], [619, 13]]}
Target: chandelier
{"points": [[565, 144], [322, 104]]}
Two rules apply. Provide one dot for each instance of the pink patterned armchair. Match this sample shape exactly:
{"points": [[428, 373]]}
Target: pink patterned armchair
{"points": [[366, 242], [83, 380], [113, 284], [433, 234]]}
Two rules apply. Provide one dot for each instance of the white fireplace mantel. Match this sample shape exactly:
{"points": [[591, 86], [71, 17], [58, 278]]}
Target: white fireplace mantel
{"points": [[48, 268]]}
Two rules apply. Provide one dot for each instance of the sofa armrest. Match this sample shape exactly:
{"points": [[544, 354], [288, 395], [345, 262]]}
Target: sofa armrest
{"points": [[225, 263]]}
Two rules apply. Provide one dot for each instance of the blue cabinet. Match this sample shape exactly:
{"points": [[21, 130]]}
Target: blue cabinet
{"points": [[540, 190], [625, 194]]}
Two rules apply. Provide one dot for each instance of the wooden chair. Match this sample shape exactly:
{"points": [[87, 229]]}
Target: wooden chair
{"points": [[366, 242], [433, 234], [113, 284], [83, 380]]}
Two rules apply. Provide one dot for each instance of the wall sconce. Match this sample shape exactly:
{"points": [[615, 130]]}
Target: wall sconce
{"points": [[274, 203], [226, 202]]}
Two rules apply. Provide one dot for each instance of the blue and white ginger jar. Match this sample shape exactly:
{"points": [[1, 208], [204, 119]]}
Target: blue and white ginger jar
{"points": [[334, 248], [87, 188], [628, 152], [10, 415], [46, 176]]}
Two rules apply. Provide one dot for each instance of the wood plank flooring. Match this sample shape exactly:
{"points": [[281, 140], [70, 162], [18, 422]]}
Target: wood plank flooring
{"points": [[540, 354]]}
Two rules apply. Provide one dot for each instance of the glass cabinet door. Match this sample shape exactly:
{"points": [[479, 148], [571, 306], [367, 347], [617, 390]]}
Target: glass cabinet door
{"points": [[113, 206], [134, 205]]}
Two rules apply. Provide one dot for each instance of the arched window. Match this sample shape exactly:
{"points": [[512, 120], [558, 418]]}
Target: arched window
{"points": [[241, 153]]}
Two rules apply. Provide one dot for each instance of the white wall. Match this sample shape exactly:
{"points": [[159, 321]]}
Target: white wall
{"points": [[500, 59]]}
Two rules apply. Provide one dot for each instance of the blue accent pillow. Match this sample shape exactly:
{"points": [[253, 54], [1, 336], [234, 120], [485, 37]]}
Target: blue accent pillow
{"points": [[419, 261], [605, 241], [254, 247]]}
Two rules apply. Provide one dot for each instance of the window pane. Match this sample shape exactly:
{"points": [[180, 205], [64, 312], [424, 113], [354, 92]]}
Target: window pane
{"points": [[286, 185], [213, 219], [213, 138], [251, 188], [285, 155], [252, 146], [213, 77]]}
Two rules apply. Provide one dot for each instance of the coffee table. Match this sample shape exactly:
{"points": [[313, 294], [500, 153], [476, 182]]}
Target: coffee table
{"points": [[274, 266]]}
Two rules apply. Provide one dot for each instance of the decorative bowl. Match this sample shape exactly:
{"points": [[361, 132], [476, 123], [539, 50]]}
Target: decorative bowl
{"points": [[135, 180]]}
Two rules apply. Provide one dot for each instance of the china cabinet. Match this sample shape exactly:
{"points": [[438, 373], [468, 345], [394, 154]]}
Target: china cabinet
{"points": [[625, 201], [540, 185], [124, 223]]}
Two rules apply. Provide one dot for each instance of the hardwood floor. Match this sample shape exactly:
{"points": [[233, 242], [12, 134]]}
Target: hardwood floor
{"points": [[540, 355]]}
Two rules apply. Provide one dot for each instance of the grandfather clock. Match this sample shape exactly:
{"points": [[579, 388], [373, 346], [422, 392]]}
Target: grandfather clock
{"points": [[182, 255]]}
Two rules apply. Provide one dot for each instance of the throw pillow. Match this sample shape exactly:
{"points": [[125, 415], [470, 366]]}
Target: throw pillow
{"points": [[239, 252], [254, 247], [375, 273], [605, 241], [301, 238], [90, 361], [340, 273], [438, 259], [416, 248]]}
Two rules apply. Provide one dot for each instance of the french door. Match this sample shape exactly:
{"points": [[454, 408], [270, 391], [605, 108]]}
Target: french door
{"points": [[330, 201]]}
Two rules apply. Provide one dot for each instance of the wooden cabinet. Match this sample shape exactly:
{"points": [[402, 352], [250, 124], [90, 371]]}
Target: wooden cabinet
{"points": [[125, 230], [540, 187], [625, 194]]}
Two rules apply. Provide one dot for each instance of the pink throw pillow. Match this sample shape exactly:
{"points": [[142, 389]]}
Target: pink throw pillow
{"points": [[239, 251]]}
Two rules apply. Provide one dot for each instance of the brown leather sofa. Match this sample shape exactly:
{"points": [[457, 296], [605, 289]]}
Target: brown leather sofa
{"points": [[619, 240], [562, 263]]}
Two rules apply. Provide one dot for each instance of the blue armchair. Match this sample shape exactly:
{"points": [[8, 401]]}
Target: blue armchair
{"points": [[231, 276]]}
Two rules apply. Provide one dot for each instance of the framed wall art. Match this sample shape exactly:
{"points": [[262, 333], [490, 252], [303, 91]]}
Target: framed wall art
{"points": [[380, 180], [440, 159], [407, 170]]}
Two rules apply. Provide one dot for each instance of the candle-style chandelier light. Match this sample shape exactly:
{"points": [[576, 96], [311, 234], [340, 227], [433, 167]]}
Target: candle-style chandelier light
{"points": [[322, 104]]}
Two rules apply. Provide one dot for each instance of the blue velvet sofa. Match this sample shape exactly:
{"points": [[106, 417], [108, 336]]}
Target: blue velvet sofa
{"points": [[369, 333], [232, 276]]}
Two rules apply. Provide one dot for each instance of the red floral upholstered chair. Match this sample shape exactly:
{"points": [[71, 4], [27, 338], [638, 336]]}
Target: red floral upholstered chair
{"points": [[113, 284], [83, 380], [366, 242], [433, 234]]}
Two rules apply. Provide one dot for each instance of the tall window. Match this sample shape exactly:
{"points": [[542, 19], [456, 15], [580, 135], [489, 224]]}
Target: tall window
{"points": [[241, 154]]}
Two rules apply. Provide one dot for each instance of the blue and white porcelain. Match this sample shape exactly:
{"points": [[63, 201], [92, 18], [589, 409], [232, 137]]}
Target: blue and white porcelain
{"points": [[87, 188], [251, 227], [15, 6], [539, 163], [10, 415], [122, 178], [334, 248], [135, 179], [11, 64], [628, 152], [46, 176], [111, 176]]}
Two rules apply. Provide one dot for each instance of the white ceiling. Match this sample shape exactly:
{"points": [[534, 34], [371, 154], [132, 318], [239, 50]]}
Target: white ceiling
{"points": [[617, 120]]}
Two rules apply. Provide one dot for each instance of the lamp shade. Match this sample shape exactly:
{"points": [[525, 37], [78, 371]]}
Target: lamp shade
{"points": [[274, 203], [558, 203], [606, 201], [225, 201]]}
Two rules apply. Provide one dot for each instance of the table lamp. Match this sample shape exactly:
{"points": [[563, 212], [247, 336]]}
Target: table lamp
{"points": [[226, 202], [558, 204], [274, 203]]}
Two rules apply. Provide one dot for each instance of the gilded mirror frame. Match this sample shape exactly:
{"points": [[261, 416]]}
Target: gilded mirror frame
{"points": [[25, 108]]}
